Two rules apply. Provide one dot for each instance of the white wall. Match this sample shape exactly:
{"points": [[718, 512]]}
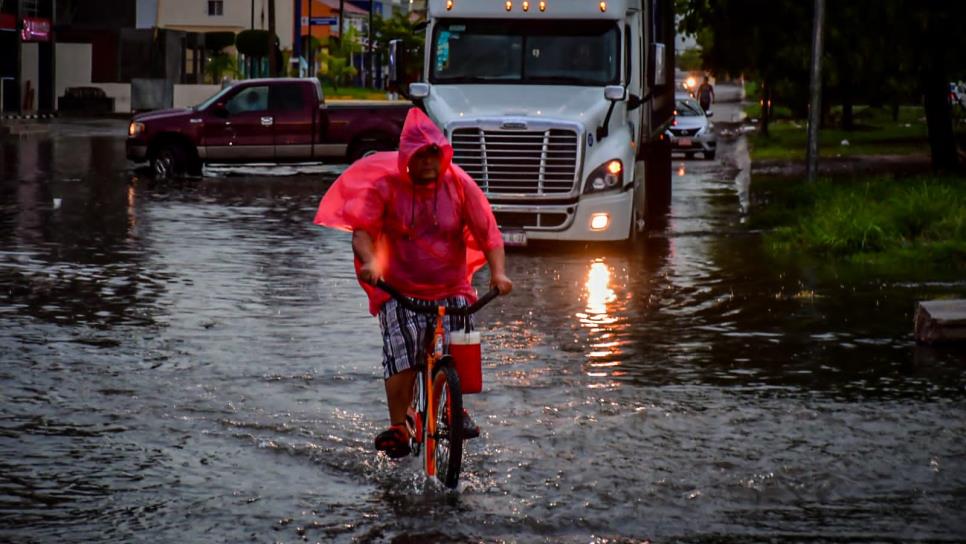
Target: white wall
{"points": [[29, 70], [73, 67], [121, 92], [192, 95], [73, 63], [192, 16]]}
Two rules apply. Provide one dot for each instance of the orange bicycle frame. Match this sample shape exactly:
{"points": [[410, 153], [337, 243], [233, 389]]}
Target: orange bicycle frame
{"points": [[430, 423]]}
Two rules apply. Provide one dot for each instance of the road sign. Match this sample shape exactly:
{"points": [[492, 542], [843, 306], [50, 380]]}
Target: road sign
{"points": [[324, 21]]}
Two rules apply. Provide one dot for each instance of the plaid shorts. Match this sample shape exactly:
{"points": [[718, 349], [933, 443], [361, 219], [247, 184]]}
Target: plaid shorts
{"points": [[404, 333]]}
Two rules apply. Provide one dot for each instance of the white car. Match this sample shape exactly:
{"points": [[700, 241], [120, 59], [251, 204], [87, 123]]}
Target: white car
{"points": [[691, 131], [957, 95]]}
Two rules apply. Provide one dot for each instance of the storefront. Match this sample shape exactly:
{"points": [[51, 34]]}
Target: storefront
{"points": [[27, 76]]}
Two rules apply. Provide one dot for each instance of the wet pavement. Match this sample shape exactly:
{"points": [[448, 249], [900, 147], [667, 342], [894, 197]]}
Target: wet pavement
{"points": [[193, 362]]}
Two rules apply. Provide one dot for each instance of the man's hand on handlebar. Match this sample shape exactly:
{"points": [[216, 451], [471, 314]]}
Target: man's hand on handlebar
{"points": [[501, 283]]}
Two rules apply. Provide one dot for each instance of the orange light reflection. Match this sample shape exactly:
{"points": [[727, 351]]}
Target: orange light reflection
{"points": [[598, 318]]}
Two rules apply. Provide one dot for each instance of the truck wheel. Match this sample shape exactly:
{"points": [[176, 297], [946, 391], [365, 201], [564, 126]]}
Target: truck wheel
{"points": [[169, 161], [636, 233], [365, 148]]}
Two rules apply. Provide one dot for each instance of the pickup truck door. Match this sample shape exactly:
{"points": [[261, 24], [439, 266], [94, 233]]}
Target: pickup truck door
{"points": [[293, 105], [247, 132]]}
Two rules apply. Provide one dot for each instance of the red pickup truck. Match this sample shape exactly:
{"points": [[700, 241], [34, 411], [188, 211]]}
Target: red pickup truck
{"points": [[263, 120]]}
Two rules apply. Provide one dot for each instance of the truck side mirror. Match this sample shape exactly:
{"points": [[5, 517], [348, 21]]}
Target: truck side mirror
{"points": [[709, 113], [219, 109], [418, 90], [615, 93]]}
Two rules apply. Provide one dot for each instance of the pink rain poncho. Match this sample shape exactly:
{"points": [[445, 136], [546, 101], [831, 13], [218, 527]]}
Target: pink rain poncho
{"points": [[429, 239]]}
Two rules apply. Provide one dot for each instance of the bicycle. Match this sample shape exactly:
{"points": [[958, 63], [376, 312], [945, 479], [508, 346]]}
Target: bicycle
{"points": [[437, 392]]}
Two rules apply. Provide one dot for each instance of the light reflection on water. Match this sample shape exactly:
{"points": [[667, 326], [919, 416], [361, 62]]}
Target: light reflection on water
{"points": [[601, 318]]}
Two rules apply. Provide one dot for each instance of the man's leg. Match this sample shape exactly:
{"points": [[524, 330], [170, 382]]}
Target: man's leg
{"points": [[399, 395]]}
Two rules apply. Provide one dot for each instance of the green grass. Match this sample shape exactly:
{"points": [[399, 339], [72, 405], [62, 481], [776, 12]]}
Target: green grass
{"points": [[876, 133], [352, 93], [883, 221], [787, 140], [753, 111]]}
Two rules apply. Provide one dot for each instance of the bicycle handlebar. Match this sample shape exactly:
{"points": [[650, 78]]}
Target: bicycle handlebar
{"points": [[426, 307]]}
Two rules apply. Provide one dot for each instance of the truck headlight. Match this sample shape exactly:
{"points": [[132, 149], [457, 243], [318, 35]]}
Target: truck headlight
{"points": [[135, 128], [606, 177]]}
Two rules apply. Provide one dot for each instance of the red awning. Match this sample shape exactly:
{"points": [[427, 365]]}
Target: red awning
{"points": [[8, 21]]}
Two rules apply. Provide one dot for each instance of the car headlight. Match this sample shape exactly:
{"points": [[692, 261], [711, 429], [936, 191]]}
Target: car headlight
{"points": [[605, 177], [135, 128]]}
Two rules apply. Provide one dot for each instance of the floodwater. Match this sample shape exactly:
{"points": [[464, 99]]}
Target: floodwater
{"points": [[193, 362]]}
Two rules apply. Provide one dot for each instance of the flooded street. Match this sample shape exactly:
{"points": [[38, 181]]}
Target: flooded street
{"points": [[193, 361]]}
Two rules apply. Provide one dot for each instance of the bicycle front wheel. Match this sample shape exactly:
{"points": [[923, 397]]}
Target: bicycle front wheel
{"points": [[449, 423]]}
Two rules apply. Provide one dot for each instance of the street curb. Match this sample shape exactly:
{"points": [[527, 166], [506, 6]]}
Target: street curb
{"points": [[21, 116]]}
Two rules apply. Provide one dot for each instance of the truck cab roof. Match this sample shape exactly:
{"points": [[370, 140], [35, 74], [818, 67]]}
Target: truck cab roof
{"points": [[552, 9]]}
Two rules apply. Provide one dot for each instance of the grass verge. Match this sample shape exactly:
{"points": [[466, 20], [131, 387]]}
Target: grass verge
{"points": [[880, 221], [787, 140], [352, 93]]}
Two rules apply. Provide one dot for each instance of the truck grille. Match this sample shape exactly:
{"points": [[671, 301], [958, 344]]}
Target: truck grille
{"points": [[546, 220], [516, 161]]}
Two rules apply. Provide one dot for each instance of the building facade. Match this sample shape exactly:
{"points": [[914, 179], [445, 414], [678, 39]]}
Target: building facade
{"points": [[27, 58]]}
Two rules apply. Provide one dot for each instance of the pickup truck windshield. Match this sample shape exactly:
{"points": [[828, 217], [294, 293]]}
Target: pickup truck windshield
{"points": [[211, 100], [550, 52]]}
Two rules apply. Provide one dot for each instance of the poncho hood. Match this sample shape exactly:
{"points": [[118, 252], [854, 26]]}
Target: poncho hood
{"points": [[418, 132]]}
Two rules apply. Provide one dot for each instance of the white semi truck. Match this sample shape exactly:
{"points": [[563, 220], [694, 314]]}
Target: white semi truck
{"points": [[557, 108]]}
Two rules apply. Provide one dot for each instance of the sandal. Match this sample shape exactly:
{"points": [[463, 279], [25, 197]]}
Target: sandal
{"points": [[394, 441]]}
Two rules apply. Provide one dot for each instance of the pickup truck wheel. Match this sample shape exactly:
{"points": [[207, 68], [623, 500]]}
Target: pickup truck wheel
{"points": [[168, 162], [195, 168]]}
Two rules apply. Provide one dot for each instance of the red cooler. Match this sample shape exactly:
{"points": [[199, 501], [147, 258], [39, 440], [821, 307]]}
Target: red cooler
{"points": [[465, 349]]}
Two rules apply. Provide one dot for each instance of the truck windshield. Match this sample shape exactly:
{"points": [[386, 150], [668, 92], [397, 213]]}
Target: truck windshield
{"points": [[550, 52]]}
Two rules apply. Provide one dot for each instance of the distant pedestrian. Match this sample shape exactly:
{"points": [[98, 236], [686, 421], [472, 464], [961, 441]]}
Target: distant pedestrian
{"points": [[706, 94]]}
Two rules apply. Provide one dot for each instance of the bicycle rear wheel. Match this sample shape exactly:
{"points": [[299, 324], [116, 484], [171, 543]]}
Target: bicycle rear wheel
{"points": [[448, 443]]}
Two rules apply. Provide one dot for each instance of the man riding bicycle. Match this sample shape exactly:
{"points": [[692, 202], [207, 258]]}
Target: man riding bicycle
{"points": [[421, 224]]}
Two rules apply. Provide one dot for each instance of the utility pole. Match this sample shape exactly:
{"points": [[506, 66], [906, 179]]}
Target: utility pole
{"points": [[341, 17], [272, 64], [815, 92], [370, 76], [311, 55]]}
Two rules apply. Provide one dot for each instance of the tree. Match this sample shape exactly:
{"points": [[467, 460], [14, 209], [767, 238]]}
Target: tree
{"points": [[272, 41], [877, 52], [255, 44], [399, 27], [221, 65], [766, 40], [338, 57]]}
